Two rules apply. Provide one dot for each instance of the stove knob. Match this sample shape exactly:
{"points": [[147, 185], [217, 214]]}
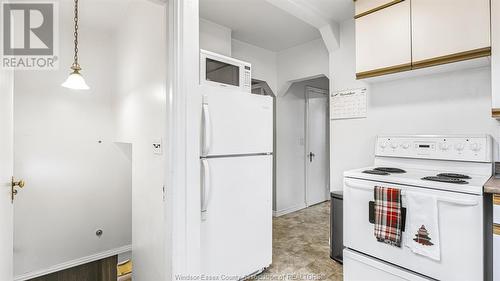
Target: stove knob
{"points": [[394, 145], [459, 146], [444, 146], [476, 147], [405, 145], [383, 144]]}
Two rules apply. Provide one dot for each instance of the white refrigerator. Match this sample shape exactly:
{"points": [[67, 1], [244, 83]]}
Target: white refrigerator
{"points": [[236, 182]]}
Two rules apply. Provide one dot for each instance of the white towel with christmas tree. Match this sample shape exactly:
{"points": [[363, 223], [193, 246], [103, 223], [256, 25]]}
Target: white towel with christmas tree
{"points": [[422, 225]]}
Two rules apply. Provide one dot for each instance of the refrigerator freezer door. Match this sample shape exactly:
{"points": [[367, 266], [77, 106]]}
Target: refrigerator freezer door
{"points": [[236, 235], [236, 123]]}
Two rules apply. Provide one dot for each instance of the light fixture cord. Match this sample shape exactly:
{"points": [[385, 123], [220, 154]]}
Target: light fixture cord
{"points": [[75, 63]]}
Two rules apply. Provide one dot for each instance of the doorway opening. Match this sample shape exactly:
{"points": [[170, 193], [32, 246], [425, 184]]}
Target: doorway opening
{"points": [[301, 223], [92, 160], [302, 152], [293, 67], [317, 164]]}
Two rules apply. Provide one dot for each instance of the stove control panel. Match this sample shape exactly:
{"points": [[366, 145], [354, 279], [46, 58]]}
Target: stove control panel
{"points": [[460, 148]]}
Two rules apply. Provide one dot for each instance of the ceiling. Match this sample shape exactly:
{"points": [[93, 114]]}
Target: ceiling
{"points": [[253, 21], [259, 23], [262, 24]]}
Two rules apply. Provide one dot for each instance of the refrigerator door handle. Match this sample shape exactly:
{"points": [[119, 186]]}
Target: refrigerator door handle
{"points": [[205, 188], [207, 126]]}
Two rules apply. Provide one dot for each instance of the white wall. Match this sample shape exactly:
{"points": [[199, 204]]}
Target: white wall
{"points": [[290, 168], [449, 103], [215, 37], [140, 106], [302, 62], [264, 62], [77, 179]]}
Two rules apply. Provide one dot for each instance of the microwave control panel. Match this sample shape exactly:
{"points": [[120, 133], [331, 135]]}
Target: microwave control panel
{"points": [[247, 77]]}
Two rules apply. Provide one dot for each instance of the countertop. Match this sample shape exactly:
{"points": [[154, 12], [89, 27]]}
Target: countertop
{"points": [[492, 186]]}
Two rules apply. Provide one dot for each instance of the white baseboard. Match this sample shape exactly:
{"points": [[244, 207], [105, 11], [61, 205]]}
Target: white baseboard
{"points": [[73, 263], [289, 210]]}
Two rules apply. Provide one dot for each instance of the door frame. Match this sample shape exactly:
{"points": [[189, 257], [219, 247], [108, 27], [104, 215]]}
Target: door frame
{"points": [[182, 204], [309, 90], [182, 175], [7, 266]]}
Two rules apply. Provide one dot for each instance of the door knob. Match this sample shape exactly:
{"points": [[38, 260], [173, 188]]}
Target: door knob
{"points": [[16, 184], [311, 156]]}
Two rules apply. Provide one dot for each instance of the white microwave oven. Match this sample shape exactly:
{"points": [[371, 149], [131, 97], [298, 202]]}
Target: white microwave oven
{"points": [[222, 71]]}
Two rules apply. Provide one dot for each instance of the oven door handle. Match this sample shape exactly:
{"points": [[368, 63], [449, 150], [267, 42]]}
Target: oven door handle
{"points": [[462, 202], [351, 184], [458, 201]]}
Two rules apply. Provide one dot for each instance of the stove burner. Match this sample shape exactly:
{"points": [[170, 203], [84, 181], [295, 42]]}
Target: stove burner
{"points": [[390, 170], [453, 175], [446, 180], [376, 172]]}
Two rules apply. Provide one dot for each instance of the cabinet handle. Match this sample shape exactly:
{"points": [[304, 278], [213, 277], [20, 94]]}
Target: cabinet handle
{"points": [[376, 9]]}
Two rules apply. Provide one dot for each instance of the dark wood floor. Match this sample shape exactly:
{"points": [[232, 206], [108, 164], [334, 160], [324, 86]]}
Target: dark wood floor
{"points": [[102, 270]]}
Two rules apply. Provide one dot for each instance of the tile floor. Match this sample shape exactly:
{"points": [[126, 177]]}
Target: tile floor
{"points": [[300, 247]]}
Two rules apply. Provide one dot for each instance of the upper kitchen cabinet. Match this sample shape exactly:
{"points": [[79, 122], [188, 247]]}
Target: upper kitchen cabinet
{"points": [[399, 35], [447, 31], [383, 37]]}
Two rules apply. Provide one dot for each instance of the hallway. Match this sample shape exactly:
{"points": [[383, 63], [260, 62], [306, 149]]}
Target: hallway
{"points": [[300, 247]]}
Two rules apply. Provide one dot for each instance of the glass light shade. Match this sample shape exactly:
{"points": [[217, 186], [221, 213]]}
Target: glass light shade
{"points": [[75, 81]]}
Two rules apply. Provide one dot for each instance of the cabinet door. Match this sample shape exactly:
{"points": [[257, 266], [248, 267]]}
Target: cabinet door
{"points": [[449, 30], [383, 41]]}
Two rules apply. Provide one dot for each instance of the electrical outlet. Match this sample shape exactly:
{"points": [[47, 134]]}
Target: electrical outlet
{"points": [[157, 147]]}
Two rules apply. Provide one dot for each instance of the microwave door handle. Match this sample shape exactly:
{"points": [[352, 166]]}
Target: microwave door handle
{"points": [[207, 127], [205, 188]]}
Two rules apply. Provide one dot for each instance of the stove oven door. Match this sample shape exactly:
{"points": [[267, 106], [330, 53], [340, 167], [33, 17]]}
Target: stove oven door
{"points": [[460, 227]]}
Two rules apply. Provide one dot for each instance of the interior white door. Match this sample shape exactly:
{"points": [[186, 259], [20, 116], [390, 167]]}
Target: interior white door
{"points": [[317, 147], [6, 172]]}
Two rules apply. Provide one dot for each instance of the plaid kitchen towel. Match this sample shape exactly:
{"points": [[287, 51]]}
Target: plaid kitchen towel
{"points": [[388, 215]]}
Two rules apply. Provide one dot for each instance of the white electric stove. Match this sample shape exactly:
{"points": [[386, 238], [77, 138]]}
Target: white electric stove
{"points": [[453, 169]]}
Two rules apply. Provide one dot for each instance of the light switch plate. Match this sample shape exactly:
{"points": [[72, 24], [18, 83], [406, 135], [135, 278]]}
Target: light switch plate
{"points": [[157, 147]]}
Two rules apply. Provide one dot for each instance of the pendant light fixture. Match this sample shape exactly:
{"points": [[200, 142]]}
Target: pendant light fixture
{"points": [[75, 80]]}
